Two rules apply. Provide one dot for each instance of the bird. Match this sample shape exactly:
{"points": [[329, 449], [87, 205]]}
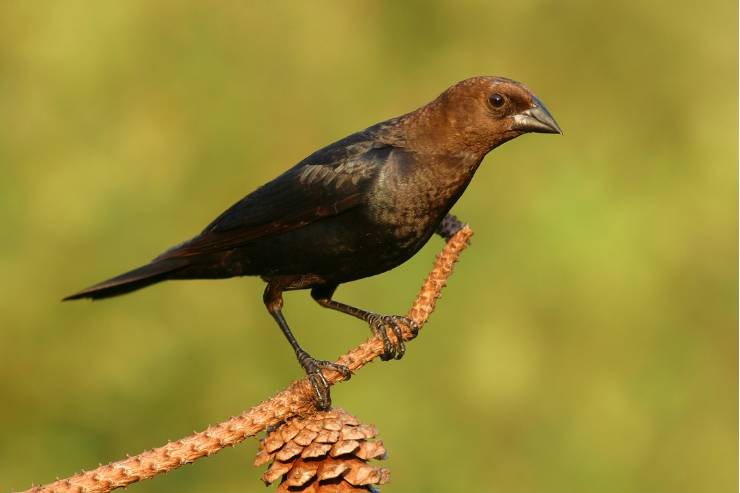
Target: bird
{"points": [[356, 208]]}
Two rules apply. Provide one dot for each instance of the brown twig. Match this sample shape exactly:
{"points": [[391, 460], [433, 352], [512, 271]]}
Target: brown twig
{"points": [[295, 400]]}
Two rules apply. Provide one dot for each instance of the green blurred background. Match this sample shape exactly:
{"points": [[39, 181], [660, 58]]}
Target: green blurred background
{"points": [[587, 342]]}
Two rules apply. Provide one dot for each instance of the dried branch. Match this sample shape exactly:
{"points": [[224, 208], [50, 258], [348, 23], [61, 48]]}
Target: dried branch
{"points": [[297, 399]]}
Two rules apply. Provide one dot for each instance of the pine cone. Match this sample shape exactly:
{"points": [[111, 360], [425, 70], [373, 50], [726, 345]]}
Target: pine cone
{"points": [[326, 452]]}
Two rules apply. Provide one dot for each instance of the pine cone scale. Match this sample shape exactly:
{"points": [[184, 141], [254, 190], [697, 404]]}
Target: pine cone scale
{"points": [[326, 452]]}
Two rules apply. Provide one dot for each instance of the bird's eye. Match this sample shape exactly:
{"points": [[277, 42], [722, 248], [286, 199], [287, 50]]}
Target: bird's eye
{"points": [[496, 100]]}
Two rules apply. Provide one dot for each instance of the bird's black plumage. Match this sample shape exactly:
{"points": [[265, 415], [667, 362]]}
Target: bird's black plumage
{"points": [[302, 222], [353, 209]]}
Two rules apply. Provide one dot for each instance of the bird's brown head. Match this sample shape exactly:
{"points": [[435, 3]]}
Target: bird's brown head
{"points": [[481, 113]]}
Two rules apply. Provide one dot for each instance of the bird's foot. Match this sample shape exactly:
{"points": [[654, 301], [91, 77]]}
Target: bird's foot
{"points": [[449, 226], [380, 325], [319, 383]]}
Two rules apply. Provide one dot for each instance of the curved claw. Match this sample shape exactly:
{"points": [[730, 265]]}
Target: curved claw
{"points": [[398, 332], [379, 325], [341, 369], [412, 325], [320, 390], [319, 383]]}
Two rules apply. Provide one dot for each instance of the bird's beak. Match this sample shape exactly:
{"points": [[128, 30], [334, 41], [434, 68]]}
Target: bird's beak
{"points": [[536, 119]]}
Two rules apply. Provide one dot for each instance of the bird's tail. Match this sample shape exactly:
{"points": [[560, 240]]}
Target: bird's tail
{"points": [[154, 272]]}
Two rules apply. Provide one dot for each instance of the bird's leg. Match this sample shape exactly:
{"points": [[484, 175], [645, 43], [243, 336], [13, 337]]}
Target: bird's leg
{"points": [[449, 226], [273, 298], [379, 324]]}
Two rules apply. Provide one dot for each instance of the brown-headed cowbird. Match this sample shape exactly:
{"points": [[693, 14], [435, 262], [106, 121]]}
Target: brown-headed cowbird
{"points": [[356, 208]]}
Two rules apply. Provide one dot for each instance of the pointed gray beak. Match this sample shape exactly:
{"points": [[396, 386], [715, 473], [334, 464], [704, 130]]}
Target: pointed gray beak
{"points": [[536, 119]]}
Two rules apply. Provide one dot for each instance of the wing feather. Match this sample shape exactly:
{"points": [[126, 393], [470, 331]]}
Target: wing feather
{"points": [[329, 182]]}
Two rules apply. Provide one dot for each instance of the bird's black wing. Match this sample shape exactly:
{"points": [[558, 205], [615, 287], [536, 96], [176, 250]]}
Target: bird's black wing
{"points": [[328, 182]]}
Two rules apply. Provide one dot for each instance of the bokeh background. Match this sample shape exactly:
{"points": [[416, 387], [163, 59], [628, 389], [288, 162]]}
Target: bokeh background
{"points": [[587, 342]]}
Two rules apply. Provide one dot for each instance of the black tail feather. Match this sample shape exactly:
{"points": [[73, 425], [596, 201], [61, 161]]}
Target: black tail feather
{"points": [[141, 277]]}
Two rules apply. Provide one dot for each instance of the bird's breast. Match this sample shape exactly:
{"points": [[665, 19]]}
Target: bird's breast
{"points": [[408, 201]]}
